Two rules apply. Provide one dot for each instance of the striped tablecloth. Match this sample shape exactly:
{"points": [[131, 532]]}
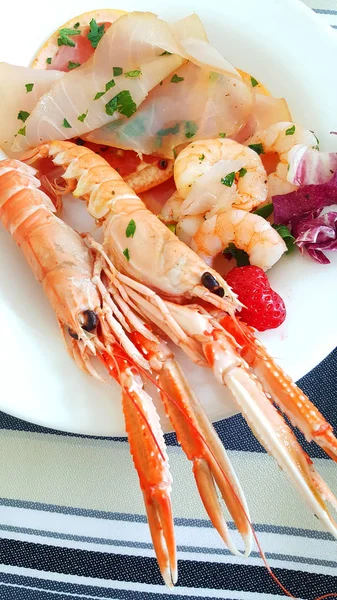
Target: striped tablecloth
{"points": [[72, 520]]}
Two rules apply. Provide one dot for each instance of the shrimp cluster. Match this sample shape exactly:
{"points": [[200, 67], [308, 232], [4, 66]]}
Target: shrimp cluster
{"points": [[116, 309], [220, 181]]}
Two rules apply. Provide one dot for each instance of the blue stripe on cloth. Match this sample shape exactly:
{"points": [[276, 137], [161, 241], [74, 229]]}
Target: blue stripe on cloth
{"points": [[143, 569], [325, 11], [136, 518], [80, 590], [320, 385], [181, 548]]}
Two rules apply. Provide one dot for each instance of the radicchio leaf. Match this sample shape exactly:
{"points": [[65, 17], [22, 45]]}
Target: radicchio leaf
{"points": [[315, 234], [290, 207], [307, 166]]}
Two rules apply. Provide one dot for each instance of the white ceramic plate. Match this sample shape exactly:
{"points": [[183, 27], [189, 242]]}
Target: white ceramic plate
{"points": [[294, 53]]}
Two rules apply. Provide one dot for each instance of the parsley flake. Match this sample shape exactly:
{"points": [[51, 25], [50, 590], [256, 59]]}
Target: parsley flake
{"points": [[48, 60], [229, 179], [172, 227], [29, 87], [76, 26], [169, 130], [131, 229], [176, 79], [22, 131], [99, 95], [291, 130], [254, 81], [202, 157], [117, 71], [241, 257], [264, 211], [242, 172], [191, 129], [126, 254], [83, 116], [166, 53], [23, 115], [135, 73], [73, 65], [66, 124], [222, 135], [109, 85], [64, 39], [96, 33], [286, 235], [122, 103], [258, 148]]}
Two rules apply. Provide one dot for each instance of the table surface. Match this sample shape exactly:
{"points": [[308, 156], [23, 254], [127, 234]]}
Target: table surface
{"points": [[71, 528]]}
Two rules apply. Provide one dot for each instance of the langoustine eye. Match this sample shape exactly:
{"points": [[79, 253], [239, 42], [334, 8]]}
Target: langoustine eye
{"points": [[210, 282], [90, 320]]}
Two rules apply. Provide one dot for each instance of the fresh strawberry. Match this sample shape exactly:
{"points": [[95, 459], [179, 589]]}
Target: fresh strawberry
{"points": [[264, 308]]}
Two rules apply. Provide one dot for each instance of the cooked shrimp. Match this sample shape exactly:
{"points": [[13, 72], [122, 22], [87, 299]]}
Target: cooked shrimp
{"points": [[280, 139], [247, 231], [219, 173]]}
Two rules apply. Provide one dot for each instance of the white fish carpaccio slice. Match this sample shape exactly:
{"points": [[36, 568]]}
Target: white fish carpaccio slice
{"points": [[201, 105], [266, 111], [135, 42], [16, 98]]}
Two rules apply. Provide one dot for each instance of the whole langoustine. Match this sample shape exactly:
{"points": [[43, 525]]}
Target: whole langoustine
{"points": [[176, 280], [97, 319]]}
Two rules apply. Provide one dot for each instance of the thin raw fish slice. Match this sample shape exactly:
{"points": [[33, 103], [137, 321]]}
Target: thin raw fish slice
{"points": [[15, 97], [135, 42], [266, 111], [201, 105]]}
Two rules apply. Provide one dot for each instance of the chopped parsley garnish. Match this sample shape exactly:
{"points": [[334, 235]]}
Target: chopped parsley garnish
{"points": [[135, 73], [23, 115], [191, 129], [264, 211], [258, 148], [172, 227], [96, 33], [222, 135], [117, 71], [109, 85], [291, 130], [22, 131], [66, 124], [76, 26], [241, 257], [166, 53], [83, 116], [131, 229], [242, 172], [229, 179], [48, 60], [175, 78], [169, 130], [126, 254], [29, 87], [254, 82], [174, 152], [73, 65], [99, 95], [286, 235], [202, 157], [122, 103], [64, 39]]}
